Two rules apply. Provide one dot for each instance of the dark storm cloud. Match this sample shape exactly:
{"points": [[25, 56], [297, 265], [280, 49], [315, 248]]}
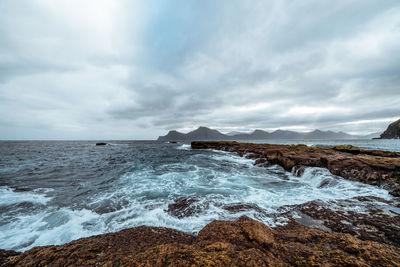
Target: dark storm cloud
{"points": [[123, 69]]}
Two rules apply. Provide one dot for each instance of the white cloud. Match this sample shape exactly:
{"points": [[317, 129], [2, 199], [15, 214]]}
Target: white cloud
{"points": [[134, 69]]}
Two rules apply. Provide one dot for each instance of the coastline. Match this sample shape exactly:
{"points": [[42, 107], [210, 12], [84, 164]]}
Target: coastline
{"points": [[220, 243], [371, 237]]}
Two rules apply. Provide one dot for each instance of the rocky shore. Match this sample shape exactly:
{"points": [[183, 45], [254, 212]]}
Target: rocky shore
{"points": [[244, 242], [375, 167], [315, 233]]}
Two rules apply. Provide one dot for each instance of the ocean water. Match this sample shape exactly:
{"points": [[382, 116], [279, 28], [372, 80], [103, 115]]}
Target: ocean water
{"points": [[52, 192]]}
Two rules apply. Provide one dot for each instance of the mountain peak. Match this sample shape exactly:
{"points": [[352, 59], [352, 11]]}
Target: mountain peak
{"points": [[205, 133]]}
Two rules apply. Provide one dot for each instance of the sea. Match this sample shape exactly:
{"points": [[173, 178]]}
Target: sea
{"points": [[53, 192]]}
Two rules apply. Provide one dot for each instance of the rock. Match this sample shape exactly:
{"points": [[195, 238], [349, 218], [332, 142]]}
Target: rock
{"points": [[244, 232], [185, 207], [7, 255], [244, 242], [356, 150], [298, 170], [262, 162], [375, 224], [240, 207], [101, 144], [395, 192], [392, 131], [373, 167]]}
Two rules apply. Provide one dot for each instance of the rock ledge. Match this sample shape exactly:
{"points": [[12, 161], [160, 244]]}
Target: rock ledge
{"points": [[221, 243]]}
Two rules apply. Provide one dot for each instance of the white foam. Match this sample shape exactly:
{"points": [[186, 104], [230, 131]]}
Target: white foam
{"points": [[233, 158], [48, 227], [9, 197], [337, 187], [142, 196], [184, 147]]}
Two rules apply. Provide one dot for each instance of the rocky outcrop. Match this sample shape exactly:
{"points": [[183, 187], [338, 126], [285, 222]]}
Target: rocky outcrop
{"points": [[101, 144], [378, 221], [375, 167], [221, 243], [392, 131]]}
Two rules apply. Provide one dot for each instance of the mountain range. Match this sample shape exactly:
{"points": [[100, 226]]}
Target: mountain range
{"points": [[204, 133]]}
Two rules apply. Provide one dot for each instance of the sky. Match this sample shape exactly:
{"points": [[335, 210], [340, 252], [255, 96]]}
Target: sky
{"points": [[121, 69]]}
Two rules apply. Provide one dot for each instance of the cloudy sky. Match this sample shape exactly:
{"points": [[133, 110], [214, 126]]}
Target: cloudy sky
{"points": [[107, 69]]}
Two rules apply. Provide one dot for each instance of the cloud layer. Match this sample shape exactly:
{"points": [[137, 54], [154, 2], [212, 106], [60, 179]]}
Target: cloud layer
{"points": [[105, 69]]}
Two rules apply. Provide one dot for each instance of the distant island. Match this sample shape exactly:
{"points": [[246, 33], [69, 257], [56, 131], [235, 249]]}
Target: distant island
{"points": [[204, 133]]}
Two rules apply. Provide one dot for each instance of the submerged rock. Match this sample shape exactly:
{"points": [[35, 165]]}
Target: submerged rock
{"points": [[244, 242]]}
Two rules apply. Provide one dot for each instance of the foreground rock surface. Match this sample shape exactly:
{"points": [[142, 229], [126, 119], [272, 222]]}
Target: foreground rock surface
{"points": [[375, 167], [221, 243]]}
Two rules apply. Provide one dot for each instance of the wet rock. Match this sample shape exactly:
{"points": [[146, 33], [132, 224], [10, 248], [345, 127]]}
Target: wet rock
{"points": [[241, 207], [324, 183], [309, 221], [252, 156], [185, 207], [261, 162], [101, 144], [221, 243], [381, 225], [395, 191], [22, 189], [298, 171]]}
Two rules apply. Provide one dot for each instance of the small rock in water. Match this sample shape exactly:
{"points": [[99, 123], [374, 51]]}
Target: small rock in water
{"points": [[324, 183], [298, 170], [261, 162], [240, 207], [185, 207], [101, 144]]}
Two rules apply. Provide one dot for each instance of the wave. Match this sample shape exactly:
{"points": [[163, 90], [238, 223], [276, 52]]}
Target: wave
{"points": [[8, 196], [184, 147], [222, 185]]}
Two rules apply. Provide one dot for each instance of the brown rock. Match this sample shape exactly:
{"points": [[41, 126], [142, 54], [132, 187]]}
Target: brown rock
{"points": [[242, 243], [381, 225], [185, 206]]}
